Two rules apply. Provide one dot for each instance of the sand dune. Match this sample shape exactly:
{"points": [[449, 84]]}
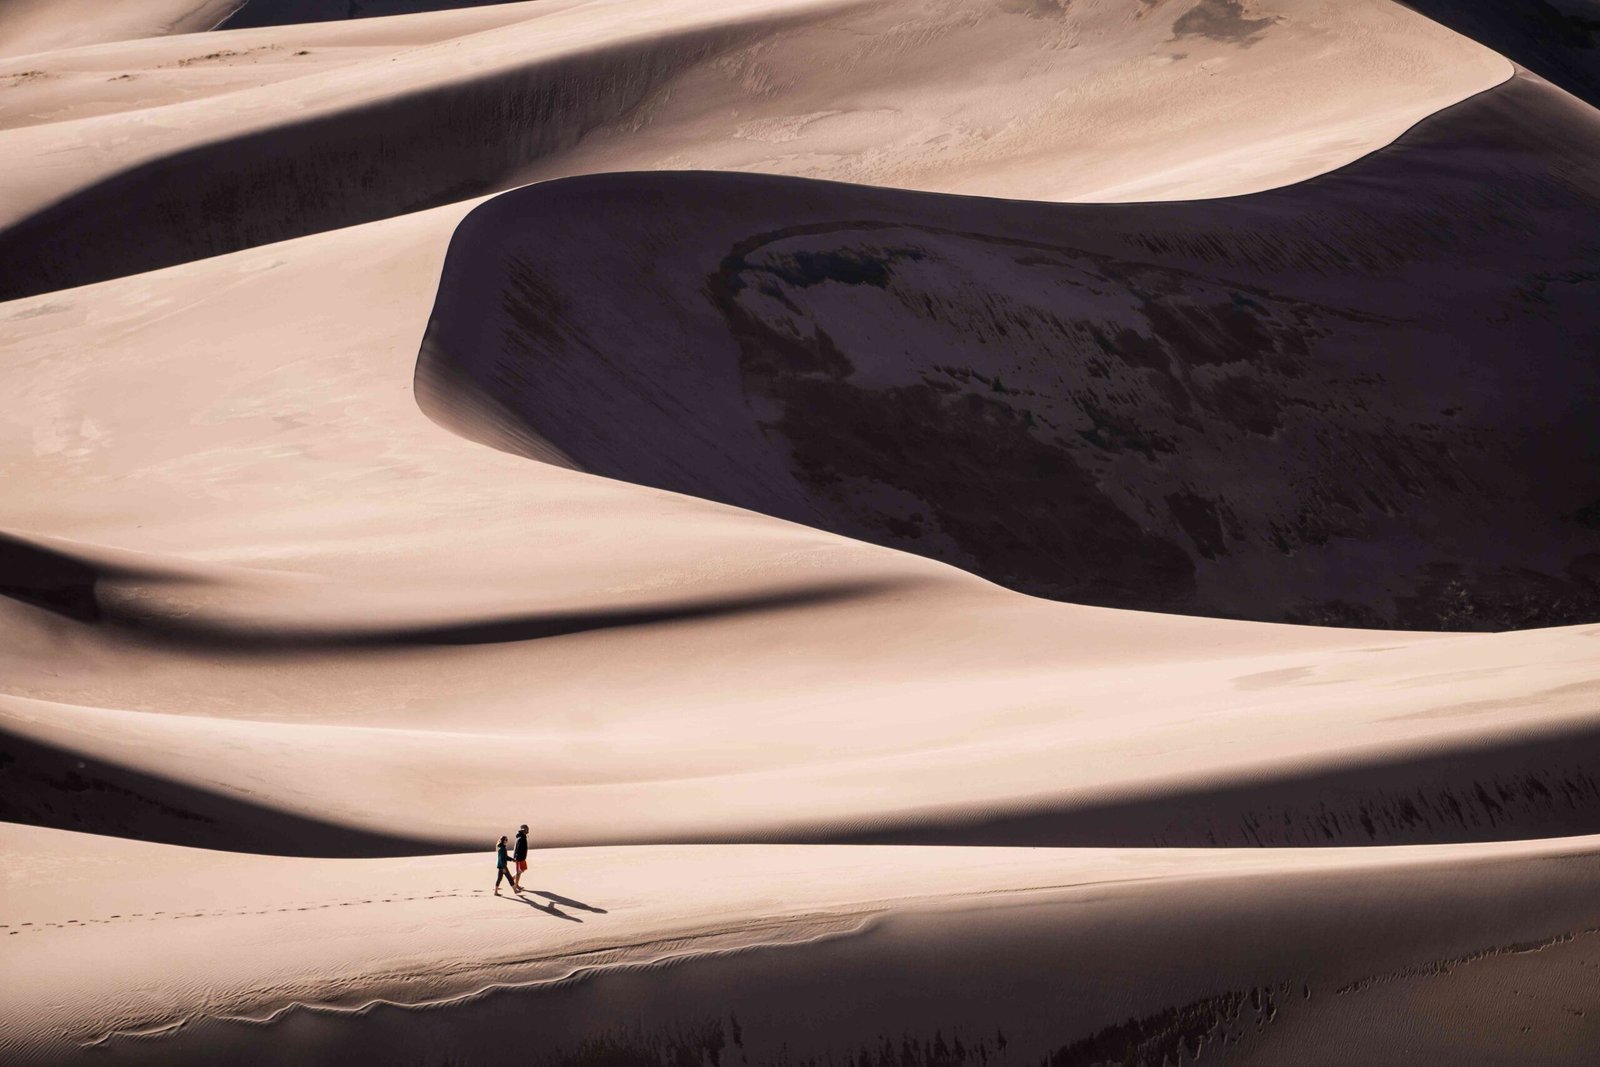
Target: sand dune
{"points": [[1110, 100], [680, 538], [1310, 405], [425, 609]]}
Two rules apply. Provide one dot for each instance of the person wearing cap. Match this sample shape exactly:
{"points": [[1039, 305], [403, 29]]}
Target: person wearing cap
{"points": [[519, 856]]}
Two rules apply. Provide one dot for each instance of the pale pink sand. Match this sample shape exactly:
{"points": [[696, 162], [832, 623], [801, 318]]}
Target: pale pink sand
{"points": [[245, 938], [353, 628]]}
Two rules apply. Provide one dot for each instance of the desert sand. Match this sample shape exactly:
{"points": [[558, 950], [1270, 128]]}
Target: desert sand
{"points": [[862, 497]]}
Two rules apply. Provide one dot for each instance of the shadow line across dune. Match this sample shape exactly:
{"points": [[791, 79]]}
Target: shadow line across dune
{"points": [[43, 785], [72, 586]]}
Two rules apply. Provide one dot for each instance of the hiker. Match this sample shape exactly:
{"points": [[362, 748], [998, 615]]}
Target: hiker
{"points": [[500, 870], [519, 855]]}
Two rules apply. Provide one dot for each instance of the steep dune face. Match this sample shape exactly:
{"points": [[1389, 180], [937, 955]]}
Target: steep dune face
{"points": [[1367, 399], [1109, 100]]}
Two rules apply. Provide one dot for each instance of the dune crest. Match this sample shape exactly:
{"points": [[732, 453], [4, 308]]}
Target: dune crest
{"points": [[1101, 100]]}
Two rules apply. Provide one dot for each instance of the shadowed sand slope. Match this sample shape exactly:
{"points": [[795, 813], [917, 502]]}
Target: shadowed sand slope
{"points": [[1367, 399], [925, 955], [1096, 100]]}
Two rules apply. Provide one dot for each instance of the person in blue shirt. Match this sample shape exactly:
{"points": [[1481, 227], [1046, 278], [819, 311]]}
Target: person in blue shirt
{"points": [[500, 868]]}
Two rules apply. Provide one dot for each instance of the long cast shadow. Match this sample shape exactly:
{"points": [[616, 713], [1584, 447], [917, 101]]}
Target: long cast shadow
{"points": [[69, 586], [548, 909], [567, 902], [42, 785]]}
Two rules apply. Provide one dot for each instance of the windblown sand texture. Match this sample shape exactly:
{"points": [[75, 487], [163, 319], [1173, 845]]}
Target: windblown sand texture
{"points": [[974, 531]]}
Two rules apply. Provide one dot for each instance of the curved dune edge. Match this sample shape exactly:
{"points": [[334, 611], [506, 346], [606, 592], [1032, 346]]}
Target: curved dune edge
{"points": [[666, 936], [1091, 95], [1194, 383]]}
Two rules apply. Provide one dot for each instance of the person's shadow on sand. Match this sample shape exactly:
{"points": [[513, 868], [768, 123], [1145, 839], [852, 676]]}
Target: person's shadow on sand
{"points": [[567, 902], [548, 909], [551, 909]]}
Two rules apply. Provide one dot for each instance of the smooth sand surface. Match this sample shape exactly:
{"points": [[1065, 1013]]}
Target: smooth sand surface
{"points": [[266, 944], [327, 560]]}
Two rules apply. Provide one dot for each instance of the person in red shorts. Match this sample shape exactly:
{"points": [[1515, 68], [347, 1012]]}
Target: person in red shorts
{"points": [[519, 856]]}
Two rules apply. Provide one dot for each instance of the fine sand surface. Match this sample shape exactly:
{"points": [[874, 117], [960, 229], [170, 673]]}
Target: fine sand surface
{"points": [[1096, 100], [691, 518], [1286, 954]]}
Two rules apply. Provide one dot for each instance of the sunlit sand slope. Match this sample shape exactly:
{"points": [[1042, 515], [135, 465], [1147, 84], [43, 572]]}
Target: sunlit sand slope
{"points": [[780, 954], [1367, 399], [1103, 100], [144, 76], [30, 26]]}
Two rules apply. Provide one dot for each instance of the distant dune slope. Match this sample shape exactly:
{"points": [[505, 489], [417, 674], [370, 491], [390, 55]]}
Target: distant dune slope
{"points": [[151, 75], [1558, 39], [42, 25], [1096, 100], [1367, 399]]}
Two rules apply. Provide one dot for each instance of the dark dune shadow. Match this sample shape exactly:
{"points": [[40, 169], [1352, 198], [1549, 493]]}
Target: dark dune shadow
{"points": [[69, 586], [57, 581], [1547, 786], [42, 785], [1315, 404]]}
